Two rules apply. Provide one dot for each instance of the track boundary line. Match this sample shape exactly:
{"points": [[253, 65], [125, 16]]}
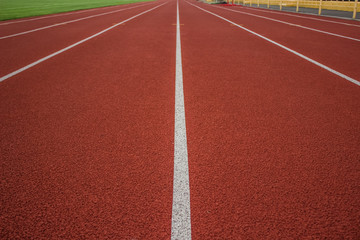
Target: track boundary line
{"points": [[73, 45], [350, 79], [291, 24], [299, 16], [45, 5], [35, 18], [70, 21], [180, 221]]}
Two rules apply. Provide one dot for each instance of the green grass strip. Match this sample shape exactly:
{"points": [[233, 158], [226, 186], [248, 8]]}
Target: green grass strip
{"points": [[11, 9]]}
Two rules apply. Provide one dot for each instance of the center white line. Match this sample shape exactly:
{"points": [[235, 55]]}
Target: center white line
{"points": [[180, 223]]}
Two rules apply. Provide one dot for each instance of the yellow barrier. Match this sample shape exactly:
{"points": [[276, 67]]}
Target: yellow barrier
{"points": [[317, 4]]}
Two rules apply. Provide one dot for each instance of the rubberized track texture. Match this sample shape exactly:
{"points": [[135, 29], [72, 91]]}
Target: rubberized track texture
{"points": [[87, 143], [344, 31], [87, 136], [54, 39], [31, 30], [272, 139]]}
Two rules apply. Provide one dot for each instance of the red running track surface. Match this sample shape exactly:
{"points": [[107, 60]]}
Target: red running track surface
{"points": [[26, 24], [272, 139], [22, 50], [321, 47], [87, 136], [335, 25]]}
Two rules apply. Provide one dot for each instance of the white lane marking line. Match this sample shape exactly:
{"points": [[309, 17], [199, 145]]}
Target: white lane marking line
{"points": [[291, 24], [286, 48], [50, 5], [180, 222], [49, 16], [299, 16], [73, 45], [71, 21], [7, 22]]}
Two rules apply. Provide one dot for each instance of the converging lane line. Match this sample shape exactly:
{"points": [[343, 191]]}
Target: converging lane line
{"points": [[71, 21], [8, 22], [180, 222], [292, 24], [73, 45], [300, 16], [286, 48]]}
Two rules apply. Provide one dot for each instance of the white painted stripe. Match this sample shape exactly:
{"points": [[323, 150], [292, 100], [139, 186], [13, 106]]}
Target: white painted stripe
{"points": [[50, 5], [291, 24], [180, 223], [7, 22], [300, 16], [73, 45], [286, 48], [71, 21]]}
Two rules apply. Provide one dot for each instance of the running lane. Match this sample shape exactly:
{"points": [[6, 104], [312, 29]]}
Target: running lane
{"points": [[26, 24], [273, 151], [19, 51], [345, 27], [303, 15], [335, 52], [87, 138]]}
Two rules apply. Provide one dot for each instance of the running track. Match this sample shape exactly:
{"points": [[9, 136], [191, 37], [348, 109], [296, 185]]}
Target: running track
{"points": [[88, 125]]}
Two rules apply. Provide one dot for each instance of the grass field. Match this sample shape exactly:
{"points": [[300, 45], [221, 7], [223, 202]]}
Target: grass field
{"points": [[10, 9]]}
